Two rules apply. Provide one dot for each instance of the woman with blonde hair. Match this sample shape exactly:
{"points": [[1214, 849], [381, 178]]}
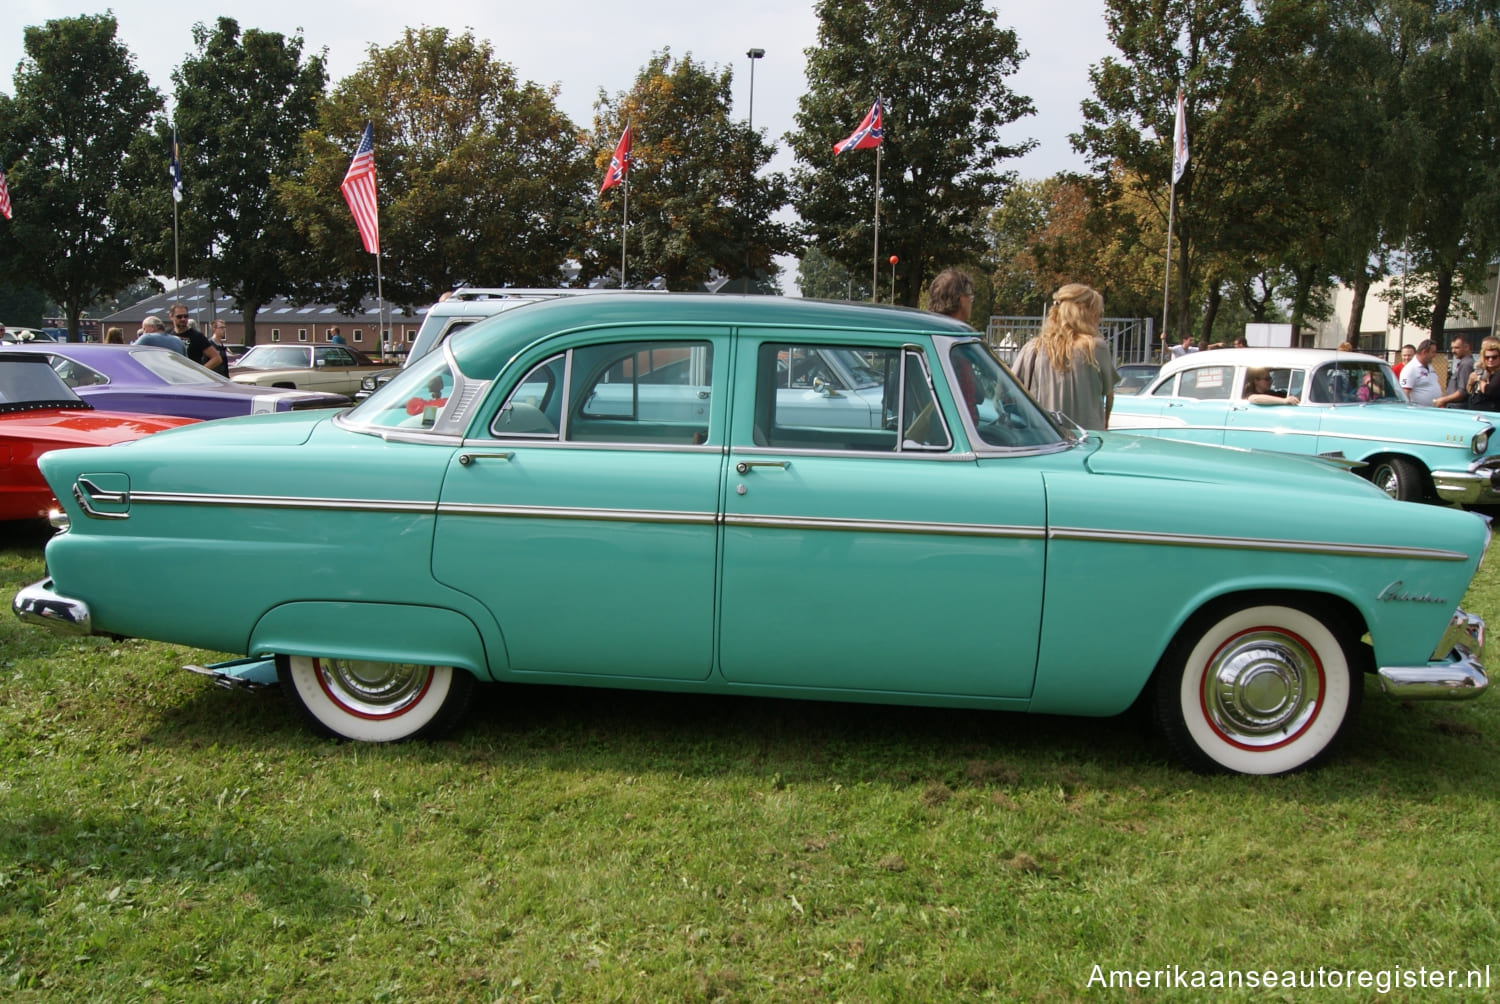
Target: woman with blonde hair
{"points": [[1069, 367]]}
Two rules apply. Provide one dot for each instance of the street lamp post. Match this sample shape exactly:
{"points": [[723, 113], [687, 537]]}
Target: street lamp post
{"points": [[753, 55]]}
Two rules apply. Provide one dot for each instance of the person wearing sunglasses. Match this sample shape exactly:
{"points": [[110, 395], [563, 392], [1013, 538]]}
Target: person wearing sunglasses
{"points": [[1484, 383]]}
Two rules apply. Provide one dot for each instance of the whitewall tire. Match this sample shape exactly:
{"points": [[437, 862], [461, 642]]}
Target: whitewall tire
{"points": [[1261, 689], [378, 702]]}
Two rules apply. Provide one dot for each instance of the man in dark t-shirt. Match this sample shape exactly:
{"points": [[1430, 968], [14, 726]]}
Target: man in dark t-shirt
{"points": [[199, 349]]}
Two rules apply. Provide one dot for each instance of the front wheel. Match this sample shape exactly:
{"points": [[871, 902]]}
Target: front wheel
{"points": [[1402, 479], [1260, 689], [378, 702]]}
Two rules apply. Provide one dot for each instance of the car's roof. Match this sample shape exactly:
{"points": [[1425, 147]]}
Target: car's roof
{"points": [[1269, 357], [489, 345]]}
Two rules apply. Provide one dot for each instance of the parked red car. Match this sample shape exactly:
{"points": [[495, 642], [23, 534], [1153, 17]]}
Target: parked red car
{"points": [[39, 413]]}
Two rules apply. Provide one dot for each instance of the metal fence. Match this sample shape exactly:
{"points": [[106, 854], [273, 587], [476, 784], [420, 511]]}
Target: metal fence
{"points": [[1129, 337]]}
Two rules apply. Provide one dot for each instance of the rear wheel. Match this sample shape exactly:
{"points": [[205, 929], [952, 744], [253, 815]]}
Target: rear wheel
{"points": [[377, 702], [1260, 689], [1400, 478]]}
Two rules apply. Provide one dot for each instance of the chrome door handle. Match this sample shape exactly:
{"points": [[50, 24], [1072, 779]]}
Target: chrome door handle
{"points": [[465, 459], [744, 466]]}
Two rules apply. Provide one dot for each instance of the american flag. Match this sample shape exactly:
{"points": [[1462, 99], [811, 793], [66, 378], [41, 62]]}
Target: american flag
{"points": [[359, 191], [619, 162], [869, 133], [4, 196]]}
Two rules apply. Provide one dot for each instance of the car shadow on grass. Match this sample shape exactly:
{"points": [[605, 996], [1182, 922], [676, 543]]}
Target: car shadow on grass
{"points": [[1418, 748]]}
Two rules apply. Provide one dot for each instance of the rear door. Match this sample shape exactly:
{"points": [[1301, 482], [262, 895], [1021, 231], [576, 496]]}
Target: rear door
{"points": [[588, 521]]}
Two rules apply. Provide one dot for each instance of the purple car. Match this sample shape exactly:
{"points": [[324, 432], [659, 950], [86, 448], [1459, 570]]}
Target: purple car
{"points": [[163, 382]]}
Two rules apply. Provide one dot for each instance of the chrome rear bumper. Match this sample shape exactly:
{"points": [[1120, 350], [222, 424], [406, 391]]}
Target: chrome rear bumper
{"points": [[1454, 674], [39, 603]]}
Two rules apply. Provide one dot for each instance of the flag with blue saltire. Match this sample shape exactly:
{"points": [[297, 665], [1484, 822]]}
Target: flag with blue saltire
{"points": [[869, 134]]}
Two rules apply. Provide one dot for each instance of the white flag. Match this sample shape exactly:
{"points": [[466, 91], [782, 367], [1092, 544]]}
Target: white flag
{"points": [[1179, 141]]}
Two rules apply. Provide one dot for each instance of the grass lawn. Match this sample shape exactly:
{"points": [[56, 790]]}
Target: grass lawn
{"points": [[162, 839]]}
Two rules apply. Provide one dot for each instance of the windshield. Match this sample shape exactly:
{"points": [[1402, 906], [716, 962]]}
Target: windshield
{"points": [[32, 383], [175, 369], [998, 408], [269, 357], [413, 399], [1366, 381]]}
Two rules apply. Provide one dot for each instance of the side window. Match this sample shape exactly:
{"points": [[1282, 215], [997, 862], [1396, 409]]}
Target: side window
{"points": [[837, 397], [640, 392], [534, 408], [1167, 388], [1207, 383]]}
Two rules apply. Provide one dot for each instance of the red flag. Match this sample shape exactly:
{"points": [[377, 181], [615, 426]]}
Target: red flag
{"points": [[869, 133], [359, 191], [4, 196], [619, 162]]}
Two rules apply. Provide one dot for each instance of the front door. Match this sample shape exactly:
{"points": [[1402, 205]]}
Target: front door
{"points": [[855, 562]]}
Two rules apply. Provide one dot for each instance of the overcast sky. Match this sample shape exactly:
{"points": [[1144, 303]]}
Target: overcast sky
{"points": [[586, 45]]}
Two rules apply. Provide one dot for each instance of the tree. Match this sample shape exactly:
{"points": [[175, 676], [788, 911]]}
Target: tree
{"points": [[77, 170], [941, 65], [243, 103], [700, 208], [1447, 125], [482, 180], [820, 277]]}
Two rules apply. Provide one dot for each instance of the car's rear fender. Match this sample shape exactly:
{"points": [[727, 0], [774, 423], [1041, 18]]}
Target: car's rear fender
{"points": [[379, 632]]}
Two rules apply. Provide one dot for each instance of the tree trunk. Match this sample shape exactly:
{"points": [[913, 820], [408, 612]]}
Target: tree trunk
{"points": [[248, 312], [1440, 301], [1357, 309], [75, 312], [1211, 311]]}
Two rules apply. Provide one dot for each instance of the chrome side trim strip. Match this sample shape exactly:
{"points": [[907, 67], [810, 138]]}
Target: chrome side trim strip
{"points": [[1286, 431], [561, 512], [886, 526], [284, 502], [1255, 544], [696, 518]]}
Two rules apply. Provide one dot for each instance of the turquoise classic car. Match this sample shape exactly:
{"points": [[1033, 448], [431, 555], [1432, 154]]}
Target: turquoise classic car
{"points": [[1333, 404], [615, 491]]}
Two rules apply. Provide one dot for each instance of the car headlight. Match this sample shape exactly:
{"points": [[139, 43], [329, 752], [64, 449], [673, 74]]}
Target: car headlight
{"points": [[1481, 442], [368, 383]]}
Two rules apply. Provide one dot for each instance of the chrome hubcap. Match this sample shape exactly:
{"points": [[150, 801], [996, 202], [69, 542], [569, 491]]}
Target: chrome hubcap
{"points": [[1262, 688], [374, 689], [1386, 480]]}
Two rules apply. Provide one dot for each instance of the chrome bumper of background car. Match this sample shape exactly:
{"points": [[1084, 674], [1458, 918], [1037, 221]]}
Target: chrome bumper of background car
{"points": [[1455, 673], [1479, 485], [38, 603]]}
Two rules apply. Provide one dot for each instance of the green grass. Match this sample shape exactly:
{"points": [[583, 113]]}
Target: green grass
{"points": [[162, 839]]}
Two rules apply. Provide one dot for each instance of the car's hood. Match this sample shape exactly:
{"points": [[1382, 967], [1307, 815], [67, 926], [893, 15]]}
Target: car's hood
{"points": [[81, 427], [1120, 453]]}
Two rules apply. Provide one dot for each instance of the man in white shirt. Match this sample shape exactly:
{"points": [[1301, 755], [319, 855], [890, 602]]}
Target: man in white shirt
{"points": [[1418, 380], [1188, 344]]}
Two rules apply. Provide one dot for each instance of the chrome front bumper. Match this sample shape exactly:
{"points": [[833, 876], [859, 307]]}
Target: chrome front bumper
{"points": [[1454, 674], [39, 603], [1479, 485]]}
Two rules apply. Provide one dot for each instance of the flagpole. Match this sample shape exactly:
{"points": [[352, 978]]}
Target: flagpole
{"points": [[875, 257], [1166, 289], [624, 224]]}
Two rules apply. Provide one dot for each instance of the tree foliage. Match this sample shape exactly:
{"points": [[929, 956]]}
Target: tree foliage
{"points": [[700, 206], [243, 103], [482, 180], [71, 135], [820, 277], [942, 66]]}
